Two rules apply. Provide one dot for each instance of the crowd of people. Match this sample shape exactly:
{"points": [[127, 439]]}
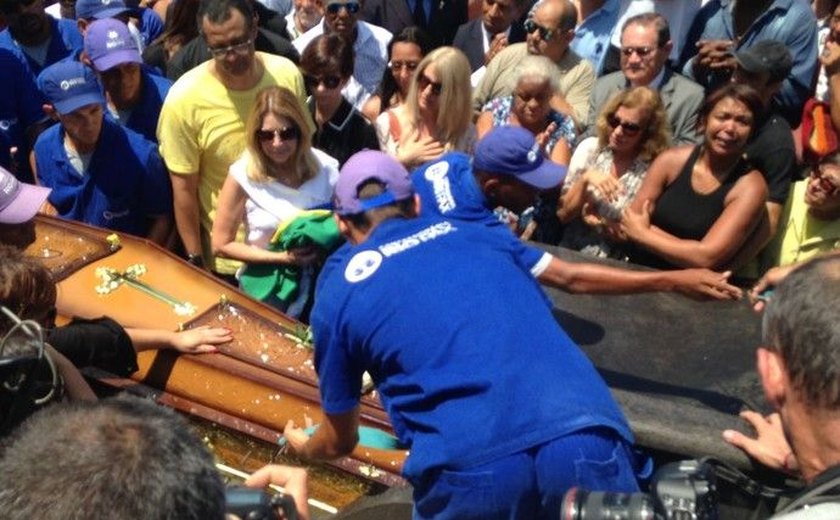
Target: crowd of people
{"points": [[696, 137]]}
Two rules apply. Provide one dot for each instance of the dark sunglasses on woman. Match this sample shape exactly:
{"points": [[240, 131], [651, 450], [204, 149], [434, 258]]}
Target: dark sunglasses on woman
{"points": [[629, 129], [291, 133], [328, 81], [424, 81]]}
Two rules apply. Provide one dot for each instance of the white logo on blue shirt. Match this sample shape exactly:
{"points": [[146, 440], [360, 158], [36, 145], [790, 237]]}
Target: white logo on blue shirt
{"points": [[437, 175], [362, 266]]}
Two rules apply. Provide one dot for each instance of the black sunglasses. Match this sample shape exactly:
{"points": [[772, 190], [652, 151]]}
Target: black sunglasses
{"points": [[531, 26], [352, 8], [629, 129], [285, 134], [328, 81], [424, 81]]}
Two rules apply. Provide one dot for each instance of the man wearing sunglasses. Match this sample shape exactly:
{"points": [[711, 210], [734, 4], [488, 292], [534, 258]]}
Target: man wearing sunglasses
{"points": [[202, 124], [549, 28], [272, 37], [645, 47], [370, 45], [35, 35]]}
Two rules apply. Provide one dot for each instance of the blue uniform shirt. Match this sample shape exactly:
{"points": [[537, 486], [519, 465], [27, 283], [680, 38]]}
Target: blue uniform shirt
{"points": [[466, 355], [20, 101], [144, 117], [124, 185], [65, 40], [448, 188]]}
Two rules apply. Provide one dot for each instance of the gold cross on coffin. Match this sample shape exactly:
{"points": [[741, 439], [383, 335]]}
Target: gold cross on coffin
{"points": [[111, 279]]}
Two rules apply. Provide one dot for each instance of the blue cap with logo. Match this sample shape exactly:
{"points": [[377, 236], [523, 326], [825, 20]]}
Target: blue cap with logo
{"points": [[366, 166], [109, 43], [513, 150], [69, 86], [99, 9]]}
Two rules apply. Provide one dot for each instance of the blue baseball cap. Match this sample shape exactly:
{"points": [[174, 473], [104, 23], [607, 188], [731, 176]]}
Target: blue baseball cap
{"points": [[109, 43], [69, 86], [513, 150], [99, 9], [365, 166]]}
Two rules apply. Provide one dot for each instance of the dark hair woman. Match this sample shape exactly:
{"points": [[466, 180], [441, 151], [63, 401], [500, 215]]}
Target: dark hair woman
{"points": [[405, 51], [180, 29], [327, 65], [698, 204]]}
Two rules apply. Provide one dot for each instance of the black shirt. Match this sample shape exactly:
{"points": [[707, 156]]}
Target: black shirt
{"points": [[771, 151], [346, 133]]}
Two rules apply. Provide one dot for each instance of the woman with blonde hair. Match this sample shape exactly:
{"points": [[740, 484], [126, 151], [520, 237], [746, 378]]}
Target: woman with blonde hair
{"points": [[436, 117], [606, 171], [277, 177]]}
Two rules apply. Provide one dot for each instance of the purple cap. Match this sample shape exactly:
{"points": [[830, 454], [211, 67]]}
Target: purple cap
{"points": [[109, 43], [69, 86], [365, 166], [19, 202], [99, 9], [512, 150]]}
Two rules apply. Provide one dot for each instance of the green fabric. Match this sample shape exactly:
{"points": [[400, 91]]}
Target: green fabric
{"points": [[309, 228]]}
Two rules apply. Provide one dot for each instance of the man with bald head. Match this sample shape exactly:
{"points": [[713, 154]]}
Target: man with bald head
{"points": [[550, 28]]}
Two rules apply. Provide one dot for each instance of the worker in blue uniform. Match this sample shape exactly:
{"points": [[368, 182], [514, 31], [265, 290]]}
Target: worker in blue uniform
{"points": [[502, 413], [134, 96], [100, 172], [501, 174], [20, 107], [42, 39]]}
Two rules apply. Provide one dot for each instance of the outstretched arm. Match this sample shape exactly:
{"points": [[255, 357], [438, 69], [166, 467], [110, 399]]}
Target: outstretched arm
{"points": [[194, 341], [601, 279]]}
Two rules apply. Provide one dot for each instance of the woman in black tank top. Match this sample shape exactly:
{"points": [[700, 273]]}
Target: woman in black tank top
{"points": [[697, 205]]}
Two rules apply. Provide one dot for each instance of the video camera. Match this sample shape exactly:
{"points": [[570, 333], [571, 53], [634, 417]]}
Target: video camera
{"points": [[685, 490], [255, 504]]}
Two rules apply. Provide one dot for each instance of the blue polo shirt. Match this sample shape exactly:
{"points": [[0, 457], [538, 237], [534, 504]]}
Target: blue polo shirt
{"points": [[20, 100], [592, 35], [467, 357], [447, 188], [151, 26], [144, 117], [125, 184], [65, 40]]}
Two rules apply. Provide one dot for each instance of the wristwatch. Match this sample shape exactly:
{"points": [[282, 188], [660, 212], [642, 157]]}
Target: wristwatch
{"points": [[195, 259]]}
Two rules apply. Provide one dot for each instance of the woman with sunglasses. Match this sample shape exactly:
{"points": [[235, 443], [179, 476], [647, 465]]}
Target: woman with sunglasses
{"points": [[405, 51], [278, 175], [530, 107], [698, 204], [436, 117], [341, 131], [810, 222], [606, 171]]}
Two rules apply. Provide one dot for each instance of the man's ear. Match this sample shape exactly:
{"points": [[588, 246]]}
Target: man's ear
{"points": [[773, 376], [82, 25], [668, 47], [50, 111], [417, 205]]}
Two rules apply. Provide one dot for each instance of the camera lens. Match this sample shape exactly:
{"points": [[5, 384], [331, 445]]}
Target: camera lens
{"points": [[579, 504]]}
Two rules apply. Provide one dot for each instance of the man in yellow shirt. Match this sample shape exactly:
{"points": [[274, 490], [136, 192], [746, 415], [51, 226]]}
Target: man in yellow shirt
{"points": [[202, 124]]}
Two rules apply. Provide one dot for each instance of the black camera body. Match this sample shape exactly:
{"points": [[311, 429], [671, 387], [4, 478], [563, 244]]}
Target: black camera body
{"points": [[255, 504], [685, 490]]}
